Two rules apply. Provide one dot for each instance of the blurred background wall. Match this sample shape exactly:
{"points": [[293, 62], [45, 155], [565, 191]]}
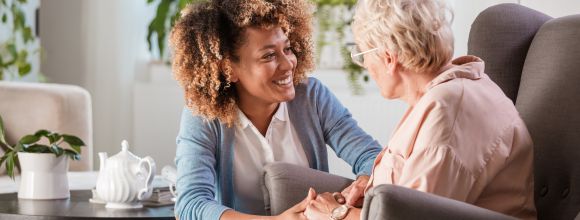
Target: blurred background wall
{"points": [[100, 45]]}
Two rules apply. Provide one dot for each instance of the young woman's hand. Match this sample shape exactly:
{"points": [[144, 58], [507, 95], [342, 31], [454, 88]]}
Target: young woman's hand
{"points": [[321, 207], [297, 211], [354, 194]]}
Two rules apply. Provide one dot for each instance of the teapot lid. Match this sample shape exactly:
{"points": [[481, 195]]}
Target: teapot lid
{"points": [[125, 154]]}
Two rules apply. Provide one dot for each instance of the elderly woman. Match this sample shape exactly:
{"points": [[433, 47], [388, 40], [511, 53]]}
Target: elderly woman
{"points": [[243, 67], [461, 137]]}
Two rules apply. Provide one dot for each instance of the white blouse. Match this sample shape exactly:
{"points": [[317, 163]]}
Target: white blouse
{"points": [[253, 151]]}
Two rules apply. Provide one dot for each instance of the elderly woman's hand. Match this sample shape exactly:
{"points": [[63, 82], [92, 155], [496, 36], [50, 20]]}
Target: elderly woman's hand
{"points": [[354, 194], [321, 207]]}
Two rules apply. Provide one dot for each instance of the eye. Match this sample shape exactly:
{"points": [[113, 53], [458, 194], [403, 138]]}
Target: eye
{"points": [[288, 50], [269, 56]]}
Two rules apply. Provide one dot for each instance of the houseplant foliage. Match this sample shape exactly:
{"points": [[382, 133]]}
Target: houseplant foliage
{"points": [[168, 11], [333, 17], [16, 48], [32, 144]]}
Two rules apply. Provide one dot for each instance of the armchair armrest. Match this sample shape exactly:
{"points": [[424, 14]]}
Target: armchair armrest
{"points": [[285, 185], [396, 202]]}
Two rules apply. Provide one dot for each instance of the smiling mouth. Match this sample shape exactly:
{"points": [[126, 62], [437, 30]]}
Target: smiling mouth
{"points": [[284, 81]]}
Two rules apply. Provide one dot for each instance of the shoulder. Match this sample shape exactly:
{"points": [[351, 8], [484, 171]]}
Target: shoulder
{"points": [[441, 103], [311, 89], [309, 85], [433, 118], [446, 94], [192, 124]]}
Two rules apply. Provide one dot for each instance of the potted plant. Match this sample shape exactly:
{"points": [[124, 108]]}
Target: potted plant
{"points": [[43, 167]]}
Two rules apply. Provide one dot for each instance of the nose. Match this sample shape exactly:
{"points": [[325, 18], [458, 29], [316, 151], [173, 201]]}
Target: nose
{"points": [[287, 62]]}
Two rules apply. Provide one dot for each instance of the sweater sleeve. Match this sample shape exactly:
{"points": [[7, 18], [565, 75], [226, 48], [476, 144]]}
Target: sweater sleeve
{"points": [[196, 170], [341, 131]]}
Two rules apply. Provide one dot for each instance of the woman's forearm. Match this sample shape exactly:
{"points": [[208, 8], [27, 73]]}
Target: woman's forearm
{"points": [[233, 215], [353, 214]]}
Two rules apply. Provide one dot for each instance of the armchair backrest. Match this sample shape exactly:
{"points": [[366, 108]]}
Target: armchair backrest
{"points": [[28, 107], [501, 36], [549, 102], [535, 60]]}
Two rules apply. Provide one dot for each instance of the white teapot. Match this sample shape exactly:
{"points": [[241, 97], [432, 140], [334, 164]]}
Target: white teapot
{"points": [[125, 180]]}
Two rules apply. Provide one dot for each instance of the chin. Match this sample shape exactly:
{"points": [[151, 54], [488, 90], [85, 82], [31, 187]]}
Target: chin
{"points": [[389, 96], [289, 96], [286, 94]]}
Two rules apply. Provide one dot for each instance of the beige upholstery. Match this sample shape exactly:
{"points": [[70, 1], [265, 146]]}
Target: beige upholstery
{"points": [[28, 107]]}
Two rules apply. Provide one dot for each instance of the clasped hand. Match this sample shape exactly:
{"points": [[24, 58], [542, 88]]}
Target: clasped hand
{"points": [[320, 206]]}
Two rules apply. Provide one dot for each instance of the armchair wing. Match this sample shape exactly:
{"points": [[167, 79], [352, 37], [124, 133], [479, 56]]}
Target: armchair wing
{"points": [[285, 185], [396, 202]]}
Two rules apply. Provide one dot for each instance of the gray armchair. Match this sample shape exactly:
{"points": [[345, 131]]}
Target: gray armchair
{"points": [[536, 62]]}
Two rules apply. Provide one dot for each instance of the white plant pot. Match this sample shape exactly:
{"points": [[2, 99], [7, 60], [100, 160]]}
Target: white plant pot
{"points": [[43, 176]]}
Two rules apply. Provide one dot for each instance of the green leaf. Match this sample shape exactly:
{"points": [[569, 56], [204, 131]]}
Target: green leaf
{"points": [[182, 4], [56, 150], [4, 18], [22, 56], [10, 165], [149, 37], [54, 137], [37, 148], [17, 162], [158, 27], [11, 47], [76, 148], [73, 140], [27, 35], [2, 134], [24, 70], [19, 18], [18, 147], [29, 139], [42, 133], [5, 147], [150, 1], [73, 155], [3, 158]]}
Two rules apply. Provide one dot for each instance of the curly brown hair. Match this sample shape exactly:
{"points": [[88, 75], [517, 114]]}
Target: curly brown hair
{"points": [[207, 35]]}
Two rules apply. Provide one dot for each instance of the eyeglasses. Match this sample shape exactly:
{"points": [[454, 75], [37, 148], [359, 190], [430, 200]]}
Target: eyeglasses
{"points": [[357, 55]]}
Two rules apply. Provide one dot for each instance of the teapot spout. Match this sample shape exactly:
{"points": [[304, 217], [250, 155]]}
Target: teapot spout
{"points": [[102, 161]]}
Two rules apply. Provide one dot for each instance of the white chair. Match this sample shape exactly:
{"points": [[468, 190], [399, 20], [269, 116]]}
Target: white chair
{"points": [[28, 107]]}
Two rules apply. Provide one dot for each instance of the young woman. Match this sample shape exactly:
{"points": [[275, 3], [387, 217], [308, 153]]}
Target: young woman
{"points": [[243, 65]]}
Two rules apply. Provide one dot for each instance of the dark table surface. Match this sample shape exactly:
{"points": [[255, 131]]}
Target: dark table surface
{"points": [[76, 207]]}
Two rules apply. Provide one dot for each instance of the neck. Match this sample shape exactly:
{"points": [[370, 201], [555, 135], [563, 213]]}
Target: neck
{"points": [[415, 83], [260, 114]]}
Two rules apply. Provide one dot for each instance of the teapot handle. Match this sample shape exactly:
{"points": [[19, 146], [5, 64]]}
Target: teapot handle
{"points": [[146, 192]]}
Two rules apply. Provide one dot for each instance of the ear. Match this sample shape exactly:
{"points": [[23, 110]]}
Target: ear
{"points": [[234, 76], [390, 61], [232, 69]]}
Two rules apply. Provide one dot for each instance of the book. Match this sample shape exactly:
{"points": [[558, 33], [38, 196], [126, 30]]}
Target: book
{"points": [[161, 196]]}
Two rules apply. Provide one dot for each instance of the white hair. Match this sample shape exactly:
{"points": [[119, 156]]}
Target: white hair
{"points": [[417, 31]]}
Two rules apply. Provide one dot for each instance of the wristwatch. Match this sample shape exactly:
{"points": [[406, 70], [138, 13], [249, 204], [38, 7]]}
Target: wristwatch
{"points": [[340, 212]]}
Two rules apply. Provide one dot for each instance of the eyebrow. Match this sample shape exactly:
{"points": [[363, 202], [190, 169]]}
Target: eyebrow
{"points": [[272, 45]]}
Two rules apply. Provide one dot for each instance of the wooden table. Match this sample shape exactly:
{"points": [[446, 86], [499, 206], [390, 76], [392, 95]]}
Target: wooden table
{"points": [[76, 207]]}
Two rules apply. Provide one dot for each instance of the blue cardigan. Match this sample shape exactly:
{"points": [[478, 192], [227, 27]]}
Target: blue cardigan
{"points": [[205, 150]]}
